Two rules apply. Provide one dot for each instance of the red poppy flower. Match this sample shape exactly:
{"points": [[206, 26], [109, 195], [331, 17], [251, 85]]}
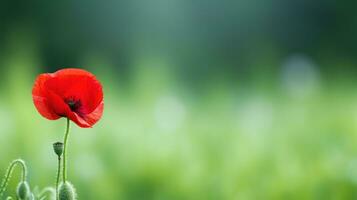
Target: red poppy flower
{"points": [[72, 93]]}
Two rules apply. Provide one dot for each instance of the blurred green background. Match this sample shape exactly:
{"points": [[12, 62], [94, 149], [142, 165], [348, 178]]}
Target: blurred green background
{"points": [[204, 100]]}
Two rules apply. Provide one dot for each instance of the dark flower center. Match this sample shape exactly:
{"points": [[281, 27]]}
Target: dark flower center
{"points": [[74, 104]]}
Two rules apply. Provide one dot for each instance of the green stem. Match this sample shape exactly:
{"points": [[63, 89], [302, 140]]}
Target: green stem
{"points": [[46, 191], [58, 176], [64, 171], [9, 172]]}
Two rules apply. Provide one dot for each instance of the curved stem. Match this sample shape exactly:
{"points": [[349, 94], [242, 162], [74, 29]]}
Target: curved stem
{"points": [[64, 171], [42, 194], [9, 172], [58, 176]]}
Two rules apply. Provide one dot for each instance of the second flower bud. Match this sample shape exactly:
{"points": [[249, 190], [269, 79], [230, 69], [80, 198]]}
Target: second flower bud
{"points": [[58, 148]]}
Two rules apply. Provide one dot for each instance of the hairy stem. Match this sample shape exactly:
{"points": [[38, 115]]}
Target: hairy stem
{"points": [[58, 176], [9, 172], [64, 171]]}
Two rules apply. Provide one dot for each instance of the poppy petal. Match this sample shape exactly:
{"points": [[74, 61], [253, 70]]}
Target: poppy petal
{"points": [[73, 71], [95, 116], [40, 100], [57, 104], [78, 120]]}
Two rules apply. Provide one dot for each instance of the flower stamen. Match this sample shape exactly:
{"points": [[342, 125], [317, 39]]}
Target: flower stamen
{"points": [[74, 104]]}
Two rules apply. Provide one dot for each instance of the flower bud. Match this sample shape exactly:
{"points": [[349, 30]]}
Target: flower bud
{"points": [[67, 191], [23, 190], [58, 148]]}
